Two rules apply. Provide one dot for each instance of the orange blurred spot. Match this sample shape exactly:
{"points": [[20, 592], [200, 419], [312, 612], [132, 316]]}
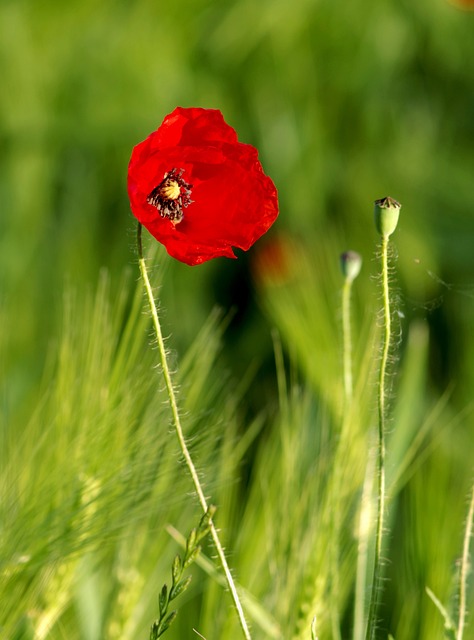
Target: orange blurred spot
{"points": [[466, 5], [275, 261]]}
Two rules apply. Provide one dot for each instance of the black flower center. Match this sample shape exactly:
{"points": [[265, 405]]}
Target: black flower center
{"points": [[171, 196]]}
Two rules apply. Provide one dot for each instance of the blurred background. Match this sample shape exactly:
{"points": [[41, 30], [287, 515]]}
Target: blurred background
{"points": [[346, 102]]}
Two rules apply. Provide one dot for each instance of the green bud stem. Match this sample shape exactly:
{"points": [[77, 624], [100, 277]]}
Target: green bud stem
{"points": [[351, 263], [377, 574]]}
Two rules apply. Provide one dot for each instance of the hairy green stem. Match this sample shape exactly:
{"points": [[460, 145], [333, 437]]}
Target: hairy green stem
{"points": [[181, 439], [377, 573], [464, 570]]}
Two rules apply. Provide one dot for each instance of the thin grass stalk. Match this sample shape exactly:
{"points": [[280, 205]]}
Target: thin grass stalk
{"points": [[347, 341], [182, 442], [377, 573], [363, 532], [334, 549], [464, 569]]}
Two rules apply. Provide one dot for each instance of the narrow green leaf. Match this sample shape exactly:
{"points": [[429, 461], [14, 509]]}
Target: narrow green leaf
{"points": [[178, 588], [154, 630], [190, 544], [191, 557], [165, 625], [205, 523], [163, 600], [177, 569]]}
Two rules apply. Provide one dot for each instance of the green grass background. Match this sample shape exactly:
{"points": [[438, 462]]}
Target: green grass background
{"points": [[346, 102]]}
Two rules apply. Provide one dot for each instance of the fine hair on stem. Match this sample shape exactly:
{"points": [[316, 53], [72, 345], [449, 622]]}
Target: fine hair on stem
{"points": [[181, 439]]}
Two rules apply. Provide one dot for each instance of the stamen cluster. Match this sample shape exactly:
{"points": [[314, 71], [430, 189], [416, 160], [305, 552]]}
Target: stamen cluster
{"points": [[171, 196]]}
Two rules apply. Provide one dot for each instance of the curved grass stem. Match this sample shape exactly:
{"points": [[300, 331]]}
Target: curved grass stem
{"points": [[377, 573], [182, 442]]}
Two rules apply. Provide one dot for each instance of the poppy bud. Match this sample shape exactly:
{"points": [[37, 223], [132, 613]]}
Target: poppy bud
{"points": [[351, 262], [386, 212]]}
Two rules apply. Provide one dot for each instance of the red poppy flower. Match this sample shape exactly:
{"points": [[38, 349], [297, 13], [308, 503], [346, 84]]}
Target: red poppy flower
{"points": [[197, 189]]}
